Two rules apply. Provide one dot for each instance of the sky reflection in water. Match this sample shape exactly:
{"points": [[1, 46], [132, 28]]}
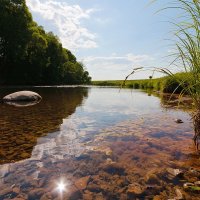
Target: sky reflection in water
{"points": [[83, 122]]}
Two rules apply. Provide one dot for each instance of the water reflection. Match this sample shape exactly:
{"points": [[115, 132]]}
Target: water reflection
{"points": [[22, 103], [21, 126], [114, 146], [176, 101]]}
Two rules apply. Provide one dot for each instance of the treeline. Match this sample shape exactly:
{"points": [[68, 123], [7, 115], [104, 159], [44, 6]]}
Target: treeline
{"points": [[29, 55]]}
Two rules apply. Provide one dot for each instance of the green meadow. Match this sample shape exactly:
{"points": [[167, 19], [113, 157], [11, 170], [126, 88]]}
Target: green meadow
{"points": [[167, 84]]}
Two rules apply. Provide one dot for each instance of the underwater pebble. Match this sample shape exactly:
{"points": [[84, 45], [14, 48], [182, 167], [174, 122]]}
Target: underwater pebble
{"points": [[16, 190], [186, 185], [135, 188], [197, 183], [179, 194], [36, 193], [174, 172], [82, 183], [178, 121]]}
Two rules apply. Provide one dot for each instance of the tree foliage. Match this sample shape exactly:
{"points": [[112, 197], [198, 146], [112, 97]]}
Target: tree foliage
{"points": [[29, 55]]}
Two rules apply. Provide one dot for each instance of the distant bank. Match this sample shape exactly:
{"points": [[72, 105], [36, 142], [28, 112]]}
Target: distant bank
{"points": [[167, 84]]}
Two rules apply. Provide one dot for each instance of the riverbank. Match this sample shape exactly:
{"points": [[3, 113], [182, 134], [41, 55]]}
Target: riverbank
{"points": [[167, 84]]}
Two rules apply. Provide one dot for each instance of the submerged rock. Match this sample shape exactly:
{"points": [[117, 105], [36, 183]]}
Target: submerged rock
{"points": [[187, 185], [114, 169], [36, 193], [174, 172], [82, 183], [16, 190], [179, 194], [135, 189], [22, 96], [178, 121], [197, 183]]}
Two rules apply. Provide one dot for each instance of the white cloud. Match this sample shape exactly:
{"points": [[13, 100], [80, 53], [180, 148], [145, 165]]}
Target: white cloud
{"points": [[138, 58], [130, 58], [105, 67], [67, 20]]}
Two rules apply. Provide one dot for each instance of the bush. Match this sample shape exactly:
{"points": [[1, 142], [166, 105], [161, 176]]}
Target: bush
{"points": [[171, 85], [136, 85]]}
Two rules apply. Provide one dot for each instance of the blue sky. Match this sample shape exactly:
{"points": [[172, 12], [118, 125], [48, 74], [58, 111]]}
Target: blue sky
{"points": [[111, 37]]}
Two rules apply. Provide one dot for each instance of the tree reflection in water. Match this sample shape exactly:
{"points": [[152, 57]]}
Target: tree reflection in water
{"points": [[22, 126]]}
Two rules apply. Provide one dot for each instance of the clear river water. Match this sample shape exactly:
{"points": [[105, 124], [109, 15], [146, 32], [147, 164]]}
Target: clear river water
{"points": [[95, 143]]}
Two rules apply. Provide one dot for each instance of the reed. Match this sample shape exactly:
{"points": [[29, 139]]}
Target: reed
{"points": [[187, 57], [188, 54]]}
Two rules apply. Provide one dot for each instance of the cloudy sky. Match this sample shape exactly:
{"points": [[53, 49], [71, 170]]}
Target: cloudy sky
{"points": [[111, 37]]}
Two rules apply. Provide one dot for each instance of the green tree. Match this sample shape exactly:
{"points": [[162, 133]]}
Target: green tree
{"points": [[15, 20], [29, 55], [36, 59]]}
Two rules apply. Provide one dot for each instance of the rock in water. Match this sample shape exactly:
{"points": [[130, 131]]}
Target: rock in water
{"points": [[22, 96], [174, 172], [179, 194], [178, 121]]}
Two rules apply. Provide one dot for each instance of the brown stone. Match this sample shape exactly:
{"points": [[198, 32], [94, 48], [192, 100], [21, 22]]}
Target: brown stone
{"points": [[187, 185], [179, 194], [94, 188], [25, 155], [99, 196], [197, 183], [74, 194], [153, 179], [157, 197], [114, 168], [18, 141], [36, 193], [135, 188], [5, 191], [88, 195], [174, 172], [16, 190], [82, 183], [123, 197], [46, 196], [21, 196]]}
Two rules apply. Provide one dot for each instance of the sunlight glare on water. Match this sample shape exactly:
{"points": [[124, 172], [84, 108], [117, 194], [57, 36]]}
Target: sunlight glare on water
{"points": [[61, 186]]}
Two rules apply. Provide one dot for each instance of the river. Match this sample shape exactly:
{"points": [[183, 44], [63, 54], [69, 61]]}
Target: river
{"points": [[95, 143]]}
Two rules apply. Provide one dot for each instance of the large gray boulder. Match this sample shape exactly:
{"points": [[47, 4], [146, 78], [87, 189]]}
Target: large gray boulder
{"points": [[22, 96]]}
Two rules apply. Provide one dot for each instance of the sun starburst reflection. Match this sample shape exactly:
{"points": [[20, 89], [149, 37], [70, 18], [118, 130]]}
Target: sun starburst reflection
{"points": [[61, 186]]}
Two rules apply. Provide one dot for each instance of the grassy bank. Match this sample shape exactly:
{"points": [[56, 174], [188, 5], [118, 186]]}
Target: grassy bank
{"points": [[167, 84]]}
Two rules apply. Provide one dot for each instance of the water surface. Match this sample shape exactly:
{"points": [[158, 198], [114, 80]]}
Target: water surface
{"points": [[100, 143]]}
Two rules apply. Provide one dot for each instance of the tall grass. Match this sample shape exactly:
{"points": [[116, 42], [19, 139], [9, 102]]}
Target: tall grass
{"points": [[187, 57], [188, 48]]}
